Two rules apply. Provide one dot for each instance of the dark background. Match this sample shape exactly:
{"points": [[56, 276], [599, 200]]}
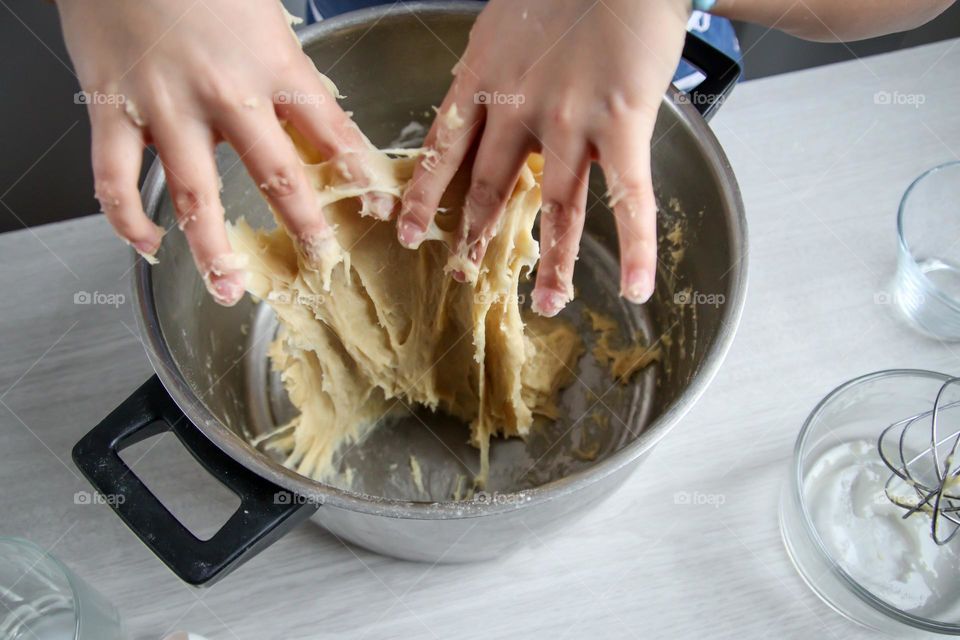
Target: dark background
{"points": [[44, 161]]}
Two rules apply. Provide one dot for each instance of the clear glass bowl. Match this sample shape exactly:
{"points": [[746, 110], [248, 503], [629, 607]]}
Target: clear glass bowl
{"points": [[927, 283], [859, 410], [40, 599]]}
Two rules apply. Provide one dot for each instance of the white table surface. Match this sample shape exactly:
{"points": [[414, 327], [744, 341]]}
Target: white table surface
{"points": [[821, 167]]}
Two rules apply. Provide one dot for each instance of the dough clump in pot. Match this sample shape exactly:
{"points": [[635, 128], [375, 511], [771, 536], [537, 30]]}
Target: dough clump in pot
{"points": [[370, 329]]}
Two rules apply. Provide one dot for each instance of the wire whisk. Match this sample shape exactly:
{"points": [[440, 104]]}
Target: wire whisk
{"points": [[925, 465]]}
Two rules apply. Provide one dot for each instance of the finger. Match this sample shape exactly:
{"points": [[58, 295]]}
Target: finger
{"points": [[502, 153], [625, 158], [457, 125], [314, 112], [565, 188], [272, 161], [186, 150], [117, 153]]}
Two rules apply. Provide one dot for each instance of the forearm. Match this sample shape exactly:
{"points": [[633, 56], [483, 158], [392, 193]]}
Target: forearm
{"points": [[834, 20]]}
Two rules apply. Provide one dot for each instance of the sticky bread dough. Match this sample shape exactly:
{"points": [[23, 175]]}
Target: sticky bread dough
{"points": [[373, 329]]}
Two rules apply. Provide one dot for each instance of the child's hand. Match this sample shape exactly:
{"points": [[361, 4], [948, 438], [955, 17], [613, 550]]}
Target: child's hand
{"points": [[184, 75], [578, 80]]}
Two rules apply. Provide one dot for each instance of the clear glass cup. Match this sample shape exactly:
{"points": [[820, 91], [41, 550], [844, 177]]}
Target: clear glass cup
{"points": [[927, 284], [856, 411], [41, 599]]}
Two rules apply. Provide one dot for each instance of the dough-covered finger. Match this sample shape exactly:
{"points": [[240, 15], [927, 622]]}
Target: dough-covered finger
{"points": [[314, 112], [565, 187], [186, 150], [272, 161], [625, 159], [117, 153], [456, 126], [502, 153]]}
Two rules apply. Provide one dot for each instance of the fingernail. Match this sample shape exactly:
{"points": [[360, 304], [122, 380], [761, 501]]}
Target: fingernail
{"points": [[226, 278], [147, 250], [320, 248], [410, 232], [378, 205], [547, 303], [637, 286], [228, 290], [145, 246]]}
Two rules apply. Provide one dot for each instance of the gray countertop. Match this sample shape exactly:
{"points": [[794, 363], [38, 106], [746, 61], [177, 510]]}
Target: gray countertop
{"points": [[822, 164]]}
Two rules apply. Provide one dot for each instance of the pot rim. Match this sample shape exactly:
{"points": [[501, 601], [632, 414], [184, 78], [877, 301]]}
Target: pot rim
{"points": [[323, 494]]}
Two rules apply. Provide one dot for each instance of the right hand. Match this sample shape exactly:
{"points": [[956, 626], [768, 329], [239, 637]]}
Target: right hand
{"points": [[184, 76], [583, 81]]}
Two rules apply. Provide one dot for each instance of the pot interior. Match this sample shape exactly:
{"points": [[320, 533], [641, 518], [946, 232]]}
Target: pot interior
{"points": [[392, 72]]}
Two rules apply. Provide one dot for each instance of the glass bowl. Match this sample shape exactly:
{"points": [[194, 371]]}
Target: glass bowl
{"points": [[927, 282], [41, 598], [843, 429]]}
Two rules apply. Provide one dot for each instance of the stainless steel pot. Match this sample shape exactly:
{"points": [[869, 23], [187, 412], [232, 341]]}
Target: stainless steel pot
{"points": [[214, 391]]}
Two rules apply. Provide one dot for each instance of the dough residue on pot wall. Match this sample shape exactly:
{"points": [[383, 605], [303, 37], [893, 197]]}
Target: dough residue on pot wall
{"points": [[384, 329], [623, 361]]}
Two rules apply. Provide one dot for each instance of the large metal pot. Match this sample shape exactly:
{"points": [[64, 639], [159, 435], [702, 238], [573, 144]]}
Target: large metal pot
{"points": [[393, 63]]}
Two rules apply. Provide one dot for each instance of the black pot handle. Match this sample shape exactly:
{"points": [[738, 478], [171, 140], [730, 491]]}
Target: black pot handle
{"points": [[266, 510], [721, 71]]}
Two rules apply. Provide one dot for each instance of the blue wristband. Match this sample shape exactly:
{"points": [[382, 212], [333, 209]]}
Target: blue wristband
{"points": [[703, 5]]}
